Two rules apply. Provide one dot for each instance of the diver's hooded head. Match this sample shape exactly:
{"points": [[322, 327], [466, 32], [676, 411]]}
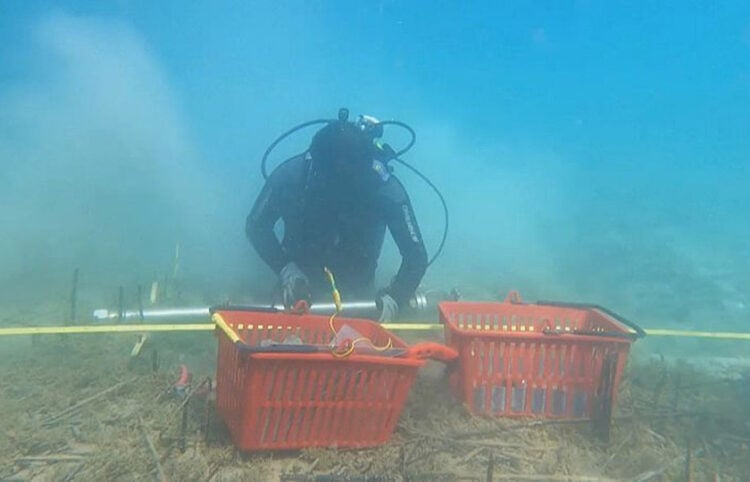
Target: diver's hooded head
{"points": [[342, 150]]}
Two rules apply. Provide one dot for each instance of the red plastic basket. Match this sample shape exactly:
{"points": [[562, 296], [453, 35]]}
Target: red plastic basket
{"points": [[281, 400], [541, 360]]}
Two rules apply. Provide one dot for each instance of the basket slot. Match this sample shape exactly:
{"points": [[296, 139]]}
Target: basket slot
{"points": [[538, 400], [330, 411], [499, 398], [518, 396], [308, 394], [496, 360], [343, 424], [297, 417], [559, 402], [542, 363], [347, 420], [580, 403], [394, 390], [342, 384], [264, 416], [276, 413], [268, 382], [323, 432], [320, 392], [290, 409], [284, 424], [563, 354], [273, 333], [575, 368], [384, 387]]}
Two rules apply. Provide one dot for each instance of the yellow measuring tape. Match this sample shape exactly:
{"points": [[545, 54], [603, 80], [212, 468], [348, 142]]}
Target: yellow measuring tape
{"points": [[151, 328], [699, 334], [88, 329]]}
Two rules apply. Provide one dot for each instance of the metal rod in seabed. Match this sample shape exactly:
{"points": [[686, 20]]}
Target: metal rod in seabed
{"points": [[74, 296], [120, 304]]}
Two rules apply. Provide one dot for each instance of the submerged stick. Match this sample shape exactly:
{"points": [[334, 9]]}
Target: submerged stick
{"points": [[71, 475], [74, 297], [517, 426], [72, 409], [120, 304], [491, 467], [651, 474], [165, 291], [154, 297], [183, 427], [402, 462], [453, 440], [152, 450], [176, 263], [570, 421], [50, 458], [140, 304], [567, 478], [189, 396], [209, 407], [486, 445]]}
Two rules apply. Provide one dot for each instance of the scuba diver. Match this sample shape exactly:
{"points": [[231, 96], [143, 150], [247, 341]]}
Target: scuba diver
{"points": [[336, 200]]}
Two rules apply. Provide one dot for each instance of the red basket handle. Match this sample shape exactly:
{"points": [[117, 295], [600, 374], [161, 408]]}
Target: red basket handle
{"points": [[513, 297], [433, 351]]}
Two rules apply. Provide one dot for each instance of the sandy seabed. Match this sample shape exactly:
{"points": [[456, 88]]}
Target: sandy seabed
{"points": [[81, 408]]}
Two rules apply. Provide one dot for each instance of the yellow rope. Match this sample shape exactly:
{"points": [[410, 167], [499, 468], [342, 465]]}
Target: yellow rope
{"points": [[334, 292], [337, 302]]}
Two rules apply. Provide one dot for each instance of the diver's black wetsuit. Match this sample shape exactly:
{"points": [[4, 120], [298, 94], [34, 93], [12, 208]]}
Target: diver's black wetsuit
{"points": [[339, 224]]}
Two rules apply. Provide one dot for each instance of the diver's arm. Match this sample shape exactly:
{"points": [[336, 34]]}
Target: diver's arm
{"points": [[403, 226], [259, 227]]}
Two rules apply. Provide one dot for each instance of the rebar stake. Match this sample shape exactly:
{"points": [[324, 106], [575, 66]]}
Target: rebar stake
{"points": [[120, 304], [209, 406], [402, 463], [183, 428], [689, 462], [490, 466], [140, 303], [74, 297]]}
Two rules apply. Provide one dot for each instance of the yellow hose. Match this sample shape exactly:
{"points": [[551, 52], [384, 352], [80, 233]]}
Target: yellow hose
{"points": [[337, 301]]}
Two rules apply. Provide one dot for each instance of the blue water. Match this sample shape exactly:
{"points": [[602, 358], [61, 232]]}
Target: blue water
{"points": [[589, 151]]}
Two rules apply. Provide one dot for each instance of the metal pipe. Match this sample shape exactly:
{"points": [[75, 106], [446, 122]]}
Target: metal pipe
{"points": [[152, 315], [352, 308], [365, 309], [420, 303]]}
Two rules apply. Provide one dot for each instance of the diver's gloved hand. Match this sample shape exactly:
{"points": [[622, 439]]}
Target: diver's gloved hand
{"points": [[388, 308], [294, 284]]}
